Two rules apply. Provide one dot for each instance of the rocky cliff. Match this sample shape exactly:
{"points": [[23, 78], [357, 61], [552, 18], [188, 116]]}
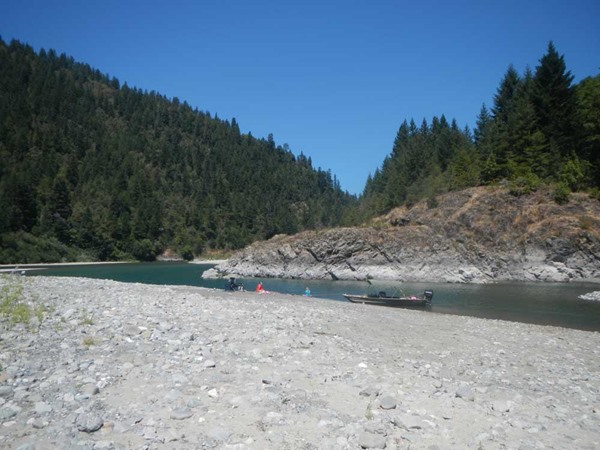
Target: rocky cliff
{"points": [[478, 235]]}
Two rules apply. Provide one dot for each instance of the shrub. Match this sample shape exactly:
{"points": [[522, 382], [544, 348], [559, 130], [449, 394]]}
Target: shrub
{"points": [[524, 185], [572, 174], [432, 202], [144, 250], [187, 254], [595, 193], [561, 193]]}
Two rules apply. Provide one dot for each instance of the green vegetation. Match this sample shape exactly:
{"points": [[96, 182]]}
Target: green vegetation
{"points": [[13, 305], [87, 319], [541, 130], [23, 247], [561, 193], [92, 169]]}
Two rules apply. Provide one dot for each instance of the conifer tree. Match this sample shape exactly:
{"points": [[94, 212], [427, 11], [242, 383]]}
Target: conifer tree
{"points": [[554, 101], [588, 106], [528, 141], [484, 139], [503, 112], [505, 96]]}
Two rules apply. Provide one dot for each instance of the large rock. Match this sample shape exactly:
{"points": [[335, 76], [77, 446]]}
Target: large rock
{"points": [[478, 235]]}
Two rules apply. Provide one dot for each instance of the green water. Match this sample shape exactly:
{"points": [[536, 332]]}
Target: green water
{"points": [[546, 304]]}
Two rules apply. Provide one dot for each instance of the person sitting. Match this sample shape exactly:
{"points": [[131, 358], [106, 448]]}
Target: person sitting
{"points": [[232, 285], [307, 292], [260, 288]]}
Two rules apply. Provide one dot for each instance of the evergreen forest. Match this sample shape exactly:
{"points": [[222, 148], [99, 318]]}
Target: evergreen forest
{"points": [[541, 131], [94, 170], [91, 169]]}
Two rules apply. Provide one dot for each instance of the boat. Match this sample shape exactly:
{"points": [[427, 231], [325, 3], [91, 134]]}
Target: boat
{"points": [[402, 301]]}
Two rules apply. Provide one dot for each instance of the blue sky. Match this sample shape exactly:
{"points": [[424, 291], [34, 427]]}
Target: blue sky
{"points": [[332, 79]]}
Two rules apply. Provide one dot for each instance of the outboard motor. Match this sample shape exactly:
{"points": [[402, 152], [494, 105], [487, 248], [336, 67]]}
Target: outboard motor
{"points": [[428, 296]]}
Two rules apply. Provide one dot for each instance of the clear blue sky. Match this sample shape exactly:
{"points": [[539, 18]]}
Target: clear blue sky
{"points": [[333, 79]]}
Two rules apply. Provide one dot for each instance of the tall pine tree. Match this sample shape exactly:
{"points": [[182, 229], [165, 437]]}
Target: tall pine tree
{"points": [[503, 111], [554, 103]]}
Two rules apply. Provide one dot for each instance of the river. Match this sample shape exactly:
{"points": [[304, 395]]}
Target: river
{"points": [[539, 303]]}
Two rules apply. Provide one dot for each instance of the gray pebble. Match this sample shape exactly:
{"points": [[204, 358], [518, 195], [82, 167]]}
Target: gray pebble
{"points": [[181, 413], [387, 402], [7, 413], [88, 423], [28, 446], [371, 440], [465, 392], [6, 391]]}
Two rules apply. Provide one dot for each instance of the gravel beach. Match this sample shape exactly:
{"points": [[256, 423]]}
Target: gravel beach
{"points": [[131, 366]]}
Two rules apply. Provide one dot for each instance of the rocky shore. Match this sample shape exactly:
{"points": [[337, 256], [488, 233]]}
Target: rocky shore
{"points": [[479, 235], [131, 366]]}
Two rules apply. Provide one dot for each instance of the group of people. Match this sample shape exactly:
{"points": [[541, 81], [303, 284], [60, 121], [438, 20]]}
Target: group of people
{"points": [[261, 289], [232, 285]]}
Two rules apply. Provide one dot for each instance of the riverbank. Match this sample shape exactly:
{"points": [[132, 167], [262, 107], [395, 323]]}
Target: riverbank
{"points": [[208, 261], [23, 268], [129, 366]]}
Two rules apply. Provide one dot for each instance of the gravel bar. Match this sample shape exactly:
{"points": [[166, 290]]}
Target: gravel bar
{"points": [[131, 366]]}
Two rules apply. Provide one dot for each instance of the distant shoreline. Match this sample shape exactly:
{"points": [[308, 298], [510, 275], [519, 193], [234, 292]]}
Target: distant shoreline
{"points": [[8, 268]]}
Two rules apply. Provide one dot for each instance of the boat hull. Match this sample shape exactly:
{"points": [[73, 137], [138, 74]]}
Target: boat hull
{"points": [[388, 301]]}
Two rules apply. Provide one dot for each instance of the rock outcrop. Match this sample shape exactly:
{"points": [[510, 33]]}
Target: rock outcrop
{"points": [[478, 235]]}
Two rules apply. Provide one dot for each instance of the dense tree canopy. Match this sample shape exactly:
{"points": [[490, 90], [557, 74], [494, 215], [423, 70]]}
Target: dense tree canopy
{"points": [[541, 129], [115, 172]]}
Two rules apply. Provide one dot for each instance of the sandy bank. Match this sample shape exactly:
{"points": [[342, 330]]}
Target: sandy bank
{"points": [[18, 268], [118, 365]]}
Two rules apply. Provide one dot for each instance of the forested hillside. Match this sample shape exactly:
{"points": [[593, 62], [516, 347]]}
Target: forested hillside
{"points": [[92, 169], [540, 130]]}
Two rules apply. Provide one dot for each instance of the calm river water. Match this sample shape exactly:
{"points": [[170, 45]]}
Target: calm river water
{"points": [[545, 304]]}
